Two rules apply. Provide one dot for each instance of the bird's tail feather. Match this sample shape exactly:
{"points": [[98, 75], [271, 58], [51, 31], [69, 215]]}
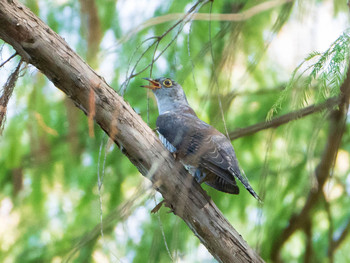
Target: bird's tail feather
{"points": [[246, 184]]}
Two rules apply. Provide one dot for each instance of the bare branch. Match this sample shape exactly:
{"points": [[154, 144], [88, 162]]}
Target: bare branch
{"points": [[278, 121]]}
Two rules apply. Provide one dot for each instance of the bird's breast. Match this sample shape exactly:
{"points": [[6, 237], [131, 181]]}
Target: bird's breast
{"points": [[184, 134]]}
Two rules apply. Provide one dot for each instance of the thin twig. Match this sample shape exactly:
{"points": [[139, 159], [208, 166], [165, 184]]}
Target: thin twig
{"points": [[7, 93], [233, 17], [121, 213], [163, 234], [184, 20], [7, 60]]}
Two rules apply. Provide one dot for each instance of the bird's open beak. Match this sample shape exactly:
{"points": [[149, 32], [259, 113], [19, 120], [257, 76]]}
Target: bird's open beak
{"points": [[152, 84]]}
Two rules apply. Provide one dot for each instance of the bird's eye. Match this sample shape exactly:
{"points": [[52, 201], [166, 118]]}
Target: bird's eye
{"points": [[167, 83]]}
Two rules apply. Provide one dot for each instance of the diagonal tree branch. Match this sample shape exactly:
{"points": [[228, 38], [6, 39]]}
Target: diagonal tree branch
{"points": [[323, 170], [278, 121], [38, 45]]}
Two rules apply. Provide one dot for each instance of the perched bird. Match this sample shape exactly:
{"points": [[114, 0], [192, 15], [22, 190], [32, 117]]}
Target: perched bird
{"points": [[205, 152]]}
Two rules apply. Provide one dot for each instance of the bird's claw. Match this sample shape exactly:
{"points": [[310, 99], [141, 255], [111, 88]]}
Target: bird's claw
{"points": [[175, 155]]}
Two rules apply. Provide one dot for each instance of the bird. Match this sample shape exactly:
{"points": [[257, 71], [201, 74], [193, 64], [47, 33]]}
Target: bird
{"points": [[205, 152]]}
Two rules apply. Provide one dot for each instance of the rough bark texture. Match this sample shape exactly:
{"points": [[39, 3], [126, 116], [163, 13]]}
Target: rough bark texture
{"points": [[40, 46]]}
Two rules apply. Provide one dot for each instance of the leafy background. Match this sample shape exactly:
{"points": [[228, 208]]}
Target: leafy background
{"points": [[281, 59]]}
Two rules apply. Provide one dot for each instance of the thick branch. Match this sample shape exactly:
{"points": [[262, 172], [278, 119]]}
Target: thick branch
{"points": [[323, 170], [40, 46], [274, 123]]}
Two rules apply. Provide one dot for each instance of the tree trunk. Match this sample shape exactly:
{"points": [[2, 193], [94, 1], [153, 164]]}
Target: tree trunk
{"points": [[38, 45]]}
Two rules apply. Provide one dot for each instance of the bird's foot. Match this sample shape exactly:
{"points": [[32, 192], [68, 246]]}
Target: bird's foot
{"points": [[199, 176], [175, 155]]}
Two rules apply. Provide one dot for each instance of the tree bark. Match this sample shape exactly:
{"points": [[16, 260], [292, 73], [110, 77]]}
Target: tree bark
{"points": [[38, 45]]}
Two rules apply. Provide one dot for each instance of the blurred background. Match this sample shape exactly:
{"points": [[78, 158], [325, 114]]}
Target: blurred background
{"points": [[57, 181]]}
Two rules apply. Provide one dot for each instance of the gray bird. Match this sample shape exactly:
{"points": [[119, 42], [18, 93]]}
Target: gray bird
{"points": [[205, 152]]}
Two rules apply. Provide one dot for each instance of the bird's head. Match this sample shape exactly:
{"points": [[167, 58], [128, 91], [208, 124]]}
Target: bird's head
{"points": [[169, 94], [156, 85]]}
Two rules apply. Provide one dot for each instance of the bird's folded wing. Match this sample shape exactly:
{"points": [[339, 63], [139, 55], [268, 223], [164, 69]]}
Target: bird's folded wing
{"points": [[216, 159]]}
